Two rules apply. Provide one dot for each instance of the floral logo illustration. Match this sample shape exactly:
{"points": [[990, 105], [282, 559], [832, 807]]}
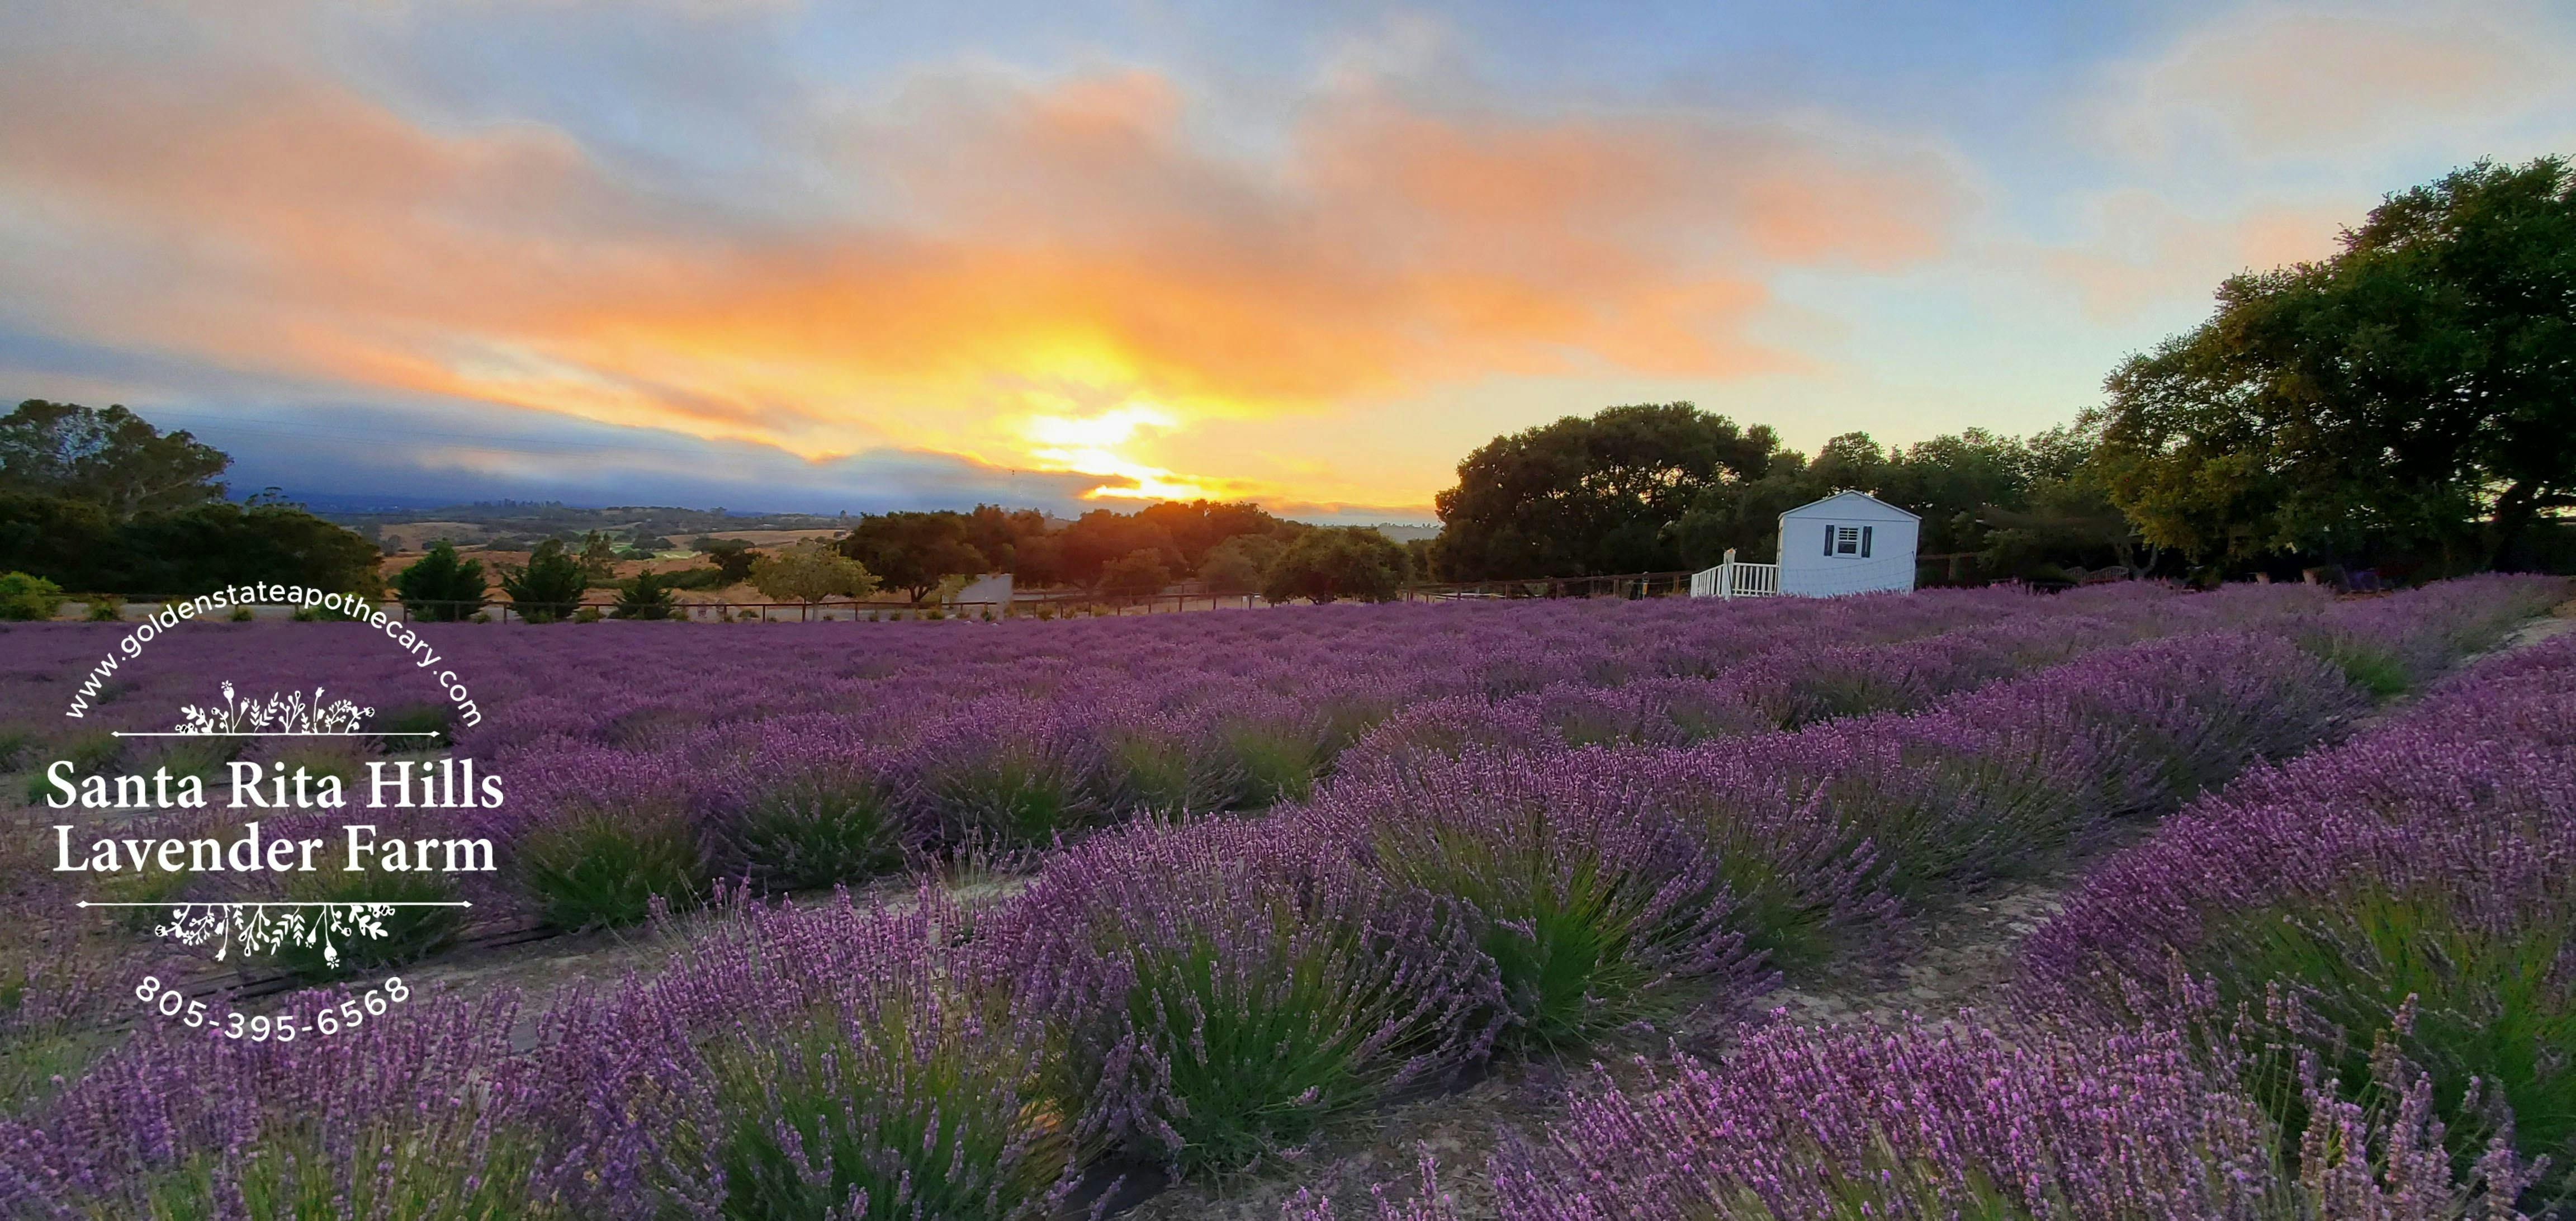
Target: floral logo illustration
{"points": [[258, 931], [251, 925], [282, 713]]}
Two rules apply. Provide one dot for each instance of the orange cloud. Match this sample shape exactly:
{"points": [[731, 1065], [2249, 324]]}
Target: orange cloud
{"points": [[2152, 252], [1059, 252]]}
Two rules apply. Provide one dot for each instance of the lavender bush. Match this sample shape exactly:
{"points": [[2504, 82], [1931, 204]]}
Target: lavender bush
{"points": [[601, 868], [1584, 896], [805, 806], [406, 1121], [1009, 771], [1216, 991], [872, 1070]]}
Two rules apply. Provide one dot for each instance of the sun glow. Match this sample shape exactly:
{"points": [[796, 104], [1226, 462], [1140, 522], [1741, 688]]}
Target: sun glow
{"points": [[1089, 445]]}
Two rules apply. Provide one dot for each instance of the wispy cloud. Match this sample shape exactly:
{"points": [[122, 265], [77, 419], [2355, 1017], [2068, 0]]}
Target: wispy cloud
{"points": [[2275, 80]]}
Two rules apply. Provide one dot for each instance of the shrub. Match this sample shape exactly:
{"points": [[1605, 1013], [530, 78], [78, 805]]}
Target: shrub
{"points": [[92, 750], [24, 597], [399, 723], [1171, 766], [595, 868], [1273, 755], [241, 614], [178, 1123], [158, 889], [549, 586], [2407, 888], [193, 756], [700, 579], [108, 608], [441, 588]]}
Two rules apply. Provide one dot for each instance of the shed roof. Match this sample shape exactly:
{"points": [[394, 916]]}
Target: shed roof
{"points": [[1846, 501]]}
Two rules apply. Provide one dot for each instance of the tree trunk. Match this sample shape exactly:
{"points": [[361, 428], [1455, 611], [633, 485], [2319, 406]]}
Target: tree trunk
{"points": [[2514, 512]]}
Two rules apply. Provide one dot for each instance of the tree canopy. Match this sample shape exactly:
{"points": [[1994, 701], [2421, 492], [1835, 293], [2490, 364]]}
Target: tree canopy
{"points": [[181, 552], [440, 585], [913, 552], [2415, 390], [1584, 496], [1326, 564], [549, 586], [1137, 574], [811, 572], [109, 457]]}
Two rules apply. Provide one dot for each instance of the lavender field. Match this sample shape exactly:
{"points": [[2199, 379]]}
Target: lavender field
{"points": [[1190, 898]]}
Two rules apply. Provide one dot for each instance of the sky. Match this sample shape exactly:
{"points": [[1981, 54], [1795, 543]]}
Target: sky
{"points": [[774, 255]]}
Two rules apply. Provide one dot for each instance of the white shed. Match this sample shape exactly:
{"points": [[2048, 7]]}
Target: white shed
{"points": [[1847, 543]]}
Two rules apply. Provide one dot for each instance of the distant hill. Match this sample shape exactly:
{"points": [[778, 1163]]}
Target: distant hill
{"points": [[1403, 532], [516, 524]]}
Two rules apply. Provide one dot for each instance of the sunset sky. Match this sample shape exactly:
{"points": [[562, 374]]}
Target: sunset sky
{"points": [[774, 255]]}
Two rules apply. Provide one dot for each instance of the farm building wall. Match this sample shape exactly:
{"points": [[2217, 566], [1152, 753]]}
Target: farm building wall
{"points": [[1847, 544]]}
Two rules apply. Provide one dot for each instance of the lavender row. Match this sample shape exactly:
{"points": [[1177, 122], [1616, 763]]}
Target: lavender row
{"points": [[2301, 1115], [2411, 891], [659, 799], [1923, 1123], [1196, 994]]}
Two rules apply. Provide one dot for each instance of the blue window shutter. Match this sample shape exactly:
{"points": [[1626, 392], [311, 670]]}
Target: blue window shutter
{"points": [[1829, 538], [1864, 540]]}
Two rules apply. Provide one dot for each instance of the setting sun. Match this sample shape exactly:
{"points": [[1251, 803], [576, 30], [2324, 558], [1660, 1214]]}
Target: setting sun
{"points": [[1088, 445]]}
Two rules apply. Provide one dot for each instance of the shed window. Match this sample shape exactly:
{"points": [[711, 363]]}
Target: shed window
{"points": [[1847, 540]]}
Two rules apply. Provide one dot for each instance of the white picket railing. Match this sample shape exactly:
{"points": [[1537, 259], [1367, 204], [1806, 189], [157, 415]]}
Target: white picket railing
{"points": [[1734, 580]]}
